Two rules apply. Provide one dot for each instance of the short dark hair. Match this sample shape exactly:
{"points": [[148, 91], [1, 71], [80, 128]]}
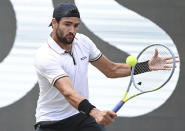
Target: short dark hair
{"points": [[65, 9]]}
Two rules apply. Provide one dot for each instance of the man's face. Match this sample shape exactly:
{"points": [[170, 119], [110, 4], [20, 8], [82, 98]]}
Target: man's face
{"points": [[66, 29]]}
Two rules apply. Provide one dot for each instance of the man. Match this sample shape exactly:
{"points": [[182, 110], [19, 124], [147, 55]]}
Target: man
{"points": [[61, 65]]}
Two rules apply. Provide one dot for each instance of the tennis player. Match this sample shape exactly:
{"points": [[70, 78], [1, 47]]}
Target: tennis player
{"points": [[61, 65]]}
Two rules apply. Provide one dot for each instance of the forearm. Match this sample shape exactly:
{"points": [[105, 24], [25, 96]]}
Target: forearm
{"points": [[64, 85], [119, 70], [74, 98], [112, 69]]}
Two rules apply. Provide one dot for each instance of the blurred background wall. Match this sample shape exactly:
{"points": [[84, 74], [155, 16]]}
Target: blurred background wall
{"points": [[167, 14]]}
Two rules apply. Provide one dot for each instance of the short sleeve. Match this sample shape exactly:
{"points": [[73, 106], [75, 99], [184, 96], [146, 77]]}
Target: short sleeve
{"points": [[94, 52], [49, 68]]}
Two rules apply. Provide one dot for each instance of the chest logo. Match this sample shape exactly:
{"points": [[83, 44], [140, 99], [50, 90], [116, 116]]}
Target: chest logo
{"points": [[83, 58]]}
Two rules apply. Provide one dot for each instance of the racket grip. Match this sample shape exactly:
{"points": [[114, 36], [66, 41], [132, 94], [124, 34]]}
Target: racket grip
{"points": [[118, 106]]}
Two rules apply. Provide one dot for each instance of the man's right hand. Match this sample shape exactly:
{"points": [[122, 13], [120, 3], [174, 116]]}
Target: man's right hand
{"points": [[103, 117]]}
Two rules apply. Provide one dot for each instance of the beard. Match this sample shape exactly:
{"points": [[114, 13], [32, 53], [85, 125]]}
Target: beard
{"points": [[62, 38]]}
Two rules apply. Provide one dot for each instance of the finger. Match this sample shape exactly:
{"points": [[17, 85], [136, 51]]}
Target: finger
{"points": [[168, 67], [177, 61], [169, 62], [170, 57], [111, 114], [104, 122], [156, 53], [114, 115], [109, 117], [108, 120]]}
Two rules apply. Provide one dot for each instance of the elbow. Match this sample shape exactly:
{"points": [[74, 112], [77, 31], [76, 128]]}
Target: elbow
{"points": [[108, 76], [67, 94], [111, 73], [111, 76]]}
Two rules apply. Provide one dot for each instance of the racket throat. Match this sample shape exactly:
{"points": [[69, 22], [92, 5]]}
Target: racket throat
{"points": [[123, 102], [124, 98]]}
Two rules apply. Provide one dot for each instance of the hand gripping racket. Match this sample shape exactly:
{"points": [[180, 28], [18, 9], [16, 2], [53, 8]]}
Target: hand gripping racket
{"points": [[163, 61]]}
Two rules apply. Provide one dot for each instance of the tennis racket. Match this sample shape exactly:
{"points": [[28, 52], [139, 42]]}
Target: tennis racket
{"points": [[163, 61]]}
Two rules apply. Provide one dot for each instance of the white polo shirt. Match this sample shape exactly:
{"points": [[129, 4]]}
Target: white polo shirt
{"points": [[52, 63]]}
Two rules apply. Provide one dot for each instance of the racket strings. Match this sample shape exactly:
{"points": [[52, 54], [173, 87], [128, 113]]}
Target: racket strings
{"points": [[159, 73]]}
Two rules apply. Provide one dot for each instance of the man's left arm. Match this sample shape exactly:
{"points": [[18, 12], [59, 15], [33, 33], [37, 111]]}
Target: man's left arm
{"points": [[112, 69]]}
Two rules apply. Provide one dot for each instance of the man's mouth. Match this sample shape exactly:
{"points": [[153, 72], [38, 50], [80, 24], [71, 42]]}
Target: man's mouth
{"points": [[70, 36]]}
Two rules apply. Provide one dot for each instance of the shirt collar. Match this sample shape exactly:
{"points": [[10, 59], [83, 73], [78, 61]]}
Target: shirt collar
{"points": [[54, 46]]}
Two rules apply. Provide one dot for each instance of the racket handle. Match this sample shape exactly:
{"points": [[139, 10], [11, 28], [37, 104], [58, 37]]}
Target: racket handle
{"points": [[118, 106]]}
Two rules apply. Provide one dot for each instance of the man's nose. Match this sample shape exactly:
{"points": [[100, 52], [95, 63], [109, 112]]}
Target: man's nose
{"points": [[72, 30]]}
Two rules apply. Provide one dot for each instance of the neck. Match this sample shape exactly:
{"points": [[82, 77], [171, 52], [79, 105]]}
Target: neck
{"points": [[66, 47]]}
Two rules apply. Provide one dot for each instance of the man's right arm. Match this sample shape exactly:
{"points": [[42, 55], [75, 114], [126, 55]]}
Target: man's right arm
{"points": [[64, 85]]}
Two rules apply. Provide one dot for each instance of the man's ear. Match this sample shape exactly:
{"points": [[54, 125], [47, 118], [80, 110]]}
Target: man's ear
{"points": [[54, 22]]}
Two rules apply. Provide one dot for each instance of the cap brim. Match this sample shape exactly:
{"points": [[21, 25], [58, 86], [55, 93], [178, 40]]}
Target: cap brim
{"points": [[50, 24]]}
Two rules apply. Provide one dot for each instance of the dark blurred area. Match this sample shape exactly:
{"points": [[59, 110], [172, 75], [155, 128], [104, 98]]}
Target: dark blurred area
{"points": [[167, 14]]}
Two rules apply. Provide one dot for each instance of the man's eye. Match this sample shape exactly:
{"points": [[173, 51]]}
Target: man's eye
{"points": [[76, 25], [67, 24]]}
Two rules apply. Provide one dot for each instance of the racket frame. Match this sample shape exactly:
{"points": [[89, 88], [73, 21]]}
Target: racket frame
{"points": [[125, 99]]}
